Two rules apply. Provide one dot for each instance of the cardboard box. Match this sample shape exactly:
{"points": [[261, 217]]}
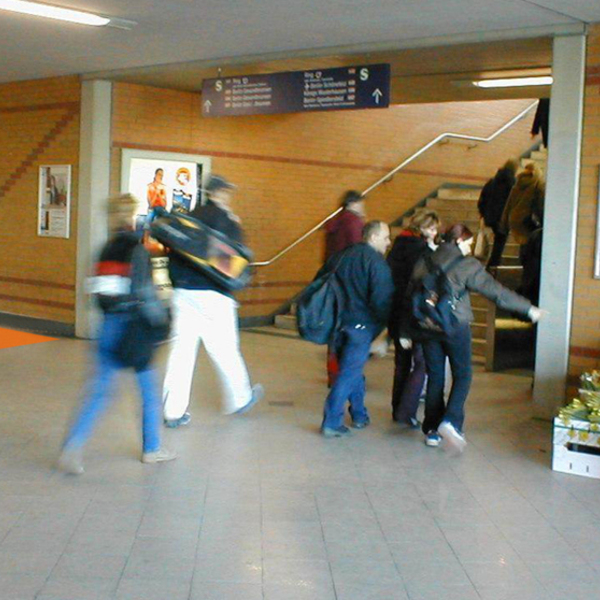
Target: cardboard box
{"points": [[576, 447]]}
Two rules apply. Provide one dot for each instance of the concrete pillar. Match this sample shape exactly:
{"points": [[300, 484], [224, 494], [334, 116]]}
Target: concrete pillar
{"points": [[560, 223], [94, 182]]}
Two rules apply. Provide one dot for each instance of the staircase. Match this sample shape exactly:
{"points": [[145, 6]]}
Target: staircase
{"points": [[491, 328]]}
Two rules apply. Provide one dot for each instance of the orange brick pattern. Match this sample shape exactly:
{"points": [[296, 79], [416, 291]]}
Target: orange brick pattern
{"points": [[292, 169], [40, 125], [585, 334]]}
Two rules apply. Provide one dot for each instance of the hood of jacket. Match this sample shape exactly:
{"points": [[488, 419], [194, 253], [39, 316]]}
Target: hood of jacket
{"points": [[525, 180], [504, 176]]}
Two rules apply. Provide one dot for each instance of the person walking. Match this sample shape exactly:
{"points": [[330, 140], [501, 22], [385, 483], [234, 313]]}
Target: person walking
{"points": [[463, 274], [418, 239], [126, 294], [492, 201], [344, 230], [366, 288], [204, 311], [524, 209]]}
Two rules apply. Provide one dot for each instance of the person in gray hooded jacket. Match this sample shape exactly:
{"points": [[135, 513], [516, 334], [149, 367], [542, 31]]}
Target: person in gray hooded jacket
{"points": [[466, 275]]}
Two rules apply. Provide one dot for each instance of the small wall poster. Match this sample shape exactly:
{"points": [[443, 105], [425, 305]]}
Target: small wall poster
{"points": [[54, 201]]}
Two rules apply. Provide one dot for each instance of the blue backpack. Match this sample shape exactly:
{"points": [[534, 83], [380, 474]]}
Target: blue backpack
{"points": [[433, 303]]}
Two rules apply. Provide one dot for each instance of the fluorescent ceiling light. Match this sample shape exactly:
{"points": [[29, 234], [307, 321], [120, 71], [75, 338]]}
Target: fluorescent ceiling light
{"points": [[53, 12], [513, 82]]}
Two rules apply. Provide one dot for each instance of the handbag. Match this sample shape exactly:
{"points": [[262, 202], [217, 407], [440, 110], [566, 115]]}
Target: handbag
{"points": [[150, 320]]}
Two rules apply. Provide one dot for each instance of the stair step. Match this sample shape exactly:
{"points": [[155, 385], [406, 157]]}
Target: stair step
{"points": [[457, 193], [479, 330], [479, 301], [455, 206], [450, 217], [286, 322], [479, 346]]}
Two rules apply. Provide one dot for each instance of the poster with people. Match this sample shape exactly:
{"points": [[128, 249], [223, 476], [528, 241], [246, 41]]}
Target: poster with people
{"points": [[54, 201], [165, 183]]}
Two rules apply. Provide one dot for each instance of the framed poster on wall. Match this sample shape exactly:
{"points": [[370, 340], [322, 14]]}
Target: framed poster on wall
{"points": [[165, 179], [54, 201], [597, 250]]}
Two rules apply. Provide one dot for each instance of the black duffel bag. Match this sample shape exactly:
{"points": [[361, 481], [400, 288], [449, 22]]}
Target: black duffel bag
{"points": [[208, 250]]}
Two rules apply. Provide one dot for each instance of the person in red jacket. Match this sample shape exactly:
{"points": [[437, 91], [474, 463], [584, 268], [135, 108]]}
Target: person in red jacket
{"points": [[344, 230]]}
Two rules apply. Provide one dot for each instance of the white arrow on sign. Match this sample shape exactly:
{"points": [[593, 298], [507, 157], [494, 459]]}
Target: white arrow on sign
{"points": [[207, 106], [377, 95]]}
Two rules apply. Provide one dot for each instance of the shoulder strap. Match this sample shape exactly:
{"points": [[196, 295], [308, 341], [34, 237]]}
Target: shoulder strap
{"points": [[445, 270]]}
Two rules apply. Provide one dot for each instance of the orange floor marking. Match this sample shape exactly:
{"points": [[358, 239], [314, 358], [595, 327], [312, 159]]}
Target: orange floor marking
{"points": [[10, 338]]}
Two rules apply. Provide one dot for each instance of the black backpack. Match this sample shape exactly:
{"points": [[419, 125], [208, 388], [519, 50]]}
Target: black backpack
{"points": [[319, 308], [433, 303]]}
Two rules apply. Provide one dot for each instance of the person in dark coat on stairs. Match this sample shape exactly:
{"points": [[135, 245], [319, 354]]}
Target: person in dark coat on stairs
{"points": [[418, 239], [466, 275], [492, 201], [344, 230]]}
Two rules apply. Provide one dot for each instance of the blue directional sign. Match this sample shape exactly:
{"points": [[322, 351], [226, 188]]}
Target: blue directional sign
{"points": [[342, 88]]}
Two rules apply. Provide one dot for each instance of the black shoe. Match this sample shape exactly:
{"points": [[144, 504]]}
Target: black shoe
{"points": [[361, 424], [410, 423]]}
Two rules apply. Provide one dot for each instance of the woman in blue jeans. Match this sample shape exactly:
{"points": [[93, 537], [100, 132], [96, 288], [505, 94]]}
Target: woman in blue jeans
{"points": [[464, 274], [124, 289]]}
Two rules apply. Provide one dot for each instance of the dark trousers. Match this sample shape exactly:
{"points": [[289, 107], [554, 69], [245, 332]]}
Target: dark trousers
{"points": [[498, 247], [353, 352], [458, 351], [409, 377]]}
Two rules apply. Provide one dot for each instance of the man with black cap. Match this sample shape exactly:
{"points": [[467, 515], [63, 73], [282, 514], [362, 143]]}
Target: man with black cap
{"points": [[206, 312]]}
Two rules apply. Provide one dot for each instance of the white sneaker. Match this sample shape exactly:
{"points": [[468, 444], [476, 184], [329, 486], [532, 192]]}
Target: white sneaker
{"points": [[71, 461], [454, 439], [161, 455]]}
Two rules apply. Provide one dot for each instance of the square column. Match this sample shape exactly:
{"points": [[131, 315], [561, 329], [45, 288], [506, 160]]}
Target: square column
{"points": [[94, 188], [560, 223]]}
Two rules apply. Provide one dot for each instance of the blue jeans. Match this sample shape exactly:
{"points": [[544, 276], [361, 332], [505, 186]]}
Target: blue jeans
{"points": [[458, 351], [353, 353], [99, 387]]}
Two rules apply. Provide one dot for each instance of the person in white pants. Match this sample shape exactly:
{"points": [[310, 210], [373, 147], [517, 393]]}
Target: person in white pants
{"points": [[206, 312]]}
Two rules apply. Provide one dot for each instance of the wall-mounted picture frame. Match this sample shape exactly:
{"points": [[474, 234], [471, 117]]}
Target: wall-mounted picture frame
{"points": [[54, 201], [165, 179]]}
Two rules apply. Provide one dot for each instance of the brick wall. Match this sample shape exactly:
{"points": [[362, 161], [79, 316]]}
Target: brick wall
{"points": [[585, 335], [39, 125], [292, 169]]}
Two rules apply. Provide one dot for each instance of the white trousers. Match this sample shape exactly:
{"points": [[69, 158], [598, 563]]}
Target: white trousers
{"points": [[209, 317]]}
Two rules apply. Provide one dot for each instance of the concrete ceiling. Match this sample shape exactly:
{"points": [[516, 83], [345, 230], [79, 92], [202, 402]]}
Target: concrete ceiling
{"points": [[217, 31]]}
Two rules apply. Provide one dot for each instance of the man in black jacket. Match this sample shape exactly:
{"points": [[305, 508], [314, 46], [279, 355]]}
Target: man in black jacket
{"points": [[366, 289], [204, 311], [492, 201]]}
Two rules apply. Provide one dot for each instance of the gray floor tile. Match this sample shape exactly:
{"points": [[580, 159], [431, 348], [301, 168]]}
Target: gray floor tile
{"points": [[204, 590], [302, 591]]}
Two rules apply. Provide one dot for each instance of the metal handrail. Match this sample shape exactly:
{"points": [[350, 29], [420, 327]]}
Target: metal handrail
{"points": [[388, 176]]}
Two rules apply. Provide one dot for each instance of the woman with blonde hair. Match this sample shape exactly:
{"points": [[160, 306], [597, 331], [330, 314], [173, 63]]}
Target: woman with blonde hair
{"points": [[133, 319], [418, 239]]}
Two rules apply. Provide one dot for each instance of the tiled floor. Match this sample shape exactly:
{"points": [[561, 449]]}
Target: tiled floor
{"points": [[261, 507]]}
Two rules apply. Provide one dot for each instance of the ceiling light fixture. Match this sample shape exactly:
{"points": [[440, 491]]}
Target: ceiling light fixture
{"points": [[513, 82], [53, 12]]}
